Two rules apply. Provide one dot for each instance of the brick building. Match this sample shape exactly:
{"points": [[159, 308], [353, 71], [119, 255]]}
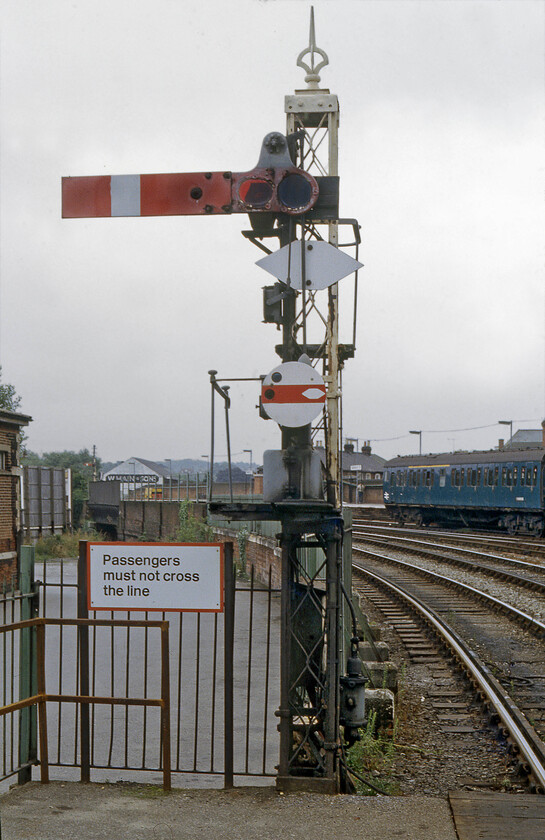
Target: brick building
{"points": [[11, 424]]}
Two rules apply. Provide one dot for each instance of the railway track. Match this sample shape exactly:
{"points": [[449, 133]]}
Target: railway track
{"points": [[483, 540], [518, 572], [500, 647]]}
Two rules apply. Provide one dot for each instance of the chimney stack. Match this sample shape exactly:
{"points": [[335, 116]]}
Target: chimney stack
{"points": [[366, 448], [500, 443], [349, 447]]}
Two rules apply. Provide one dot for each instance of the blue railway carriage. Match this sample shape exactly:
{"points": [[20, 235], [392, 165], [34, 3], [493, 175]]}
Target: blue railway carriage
{"points": [[497, 489]]}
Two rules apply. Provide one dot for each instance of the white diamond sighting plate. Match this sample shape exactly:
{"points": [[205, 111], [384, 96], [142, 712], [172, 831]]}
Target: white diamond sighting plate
{"points": [[324, 264]]}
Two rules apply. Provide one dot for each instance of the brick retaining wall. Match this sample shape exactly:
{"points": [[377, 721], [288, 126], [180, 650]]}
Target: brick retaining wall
{"points": [[263, 553]]}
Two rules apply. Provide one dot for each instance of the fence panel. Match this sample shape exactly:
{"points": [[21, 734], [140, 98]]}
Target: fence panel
{"points": [[126, 661], [18, 747]]}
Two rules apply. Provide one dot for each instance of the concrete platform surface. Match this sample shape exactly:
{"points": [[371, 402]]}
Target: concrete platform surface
{"points": [[138, 812]]}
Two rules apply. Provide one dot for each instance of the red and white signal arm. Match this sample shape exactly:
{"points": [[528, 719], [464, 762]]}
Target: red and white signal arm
{"points": [[293, 394]]}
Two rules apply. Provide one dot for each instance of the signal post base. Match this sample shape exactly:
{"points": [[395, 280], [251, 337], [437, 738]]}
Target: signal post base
{"points": [[306, 784]]}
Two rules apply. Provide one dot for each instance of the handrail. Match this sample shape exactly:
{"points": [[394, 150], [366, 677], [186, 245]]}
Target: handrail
{"points": [[42, 697]]}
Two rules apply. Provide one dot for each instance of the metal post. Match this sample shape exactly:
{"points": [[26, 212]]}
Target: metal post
{"points": [[229, 635], [331, 728], [228, 436], [28, 723], [285, 646], [212, 374], [42, 710], [301, 600], [165, 706], [83, 646]]}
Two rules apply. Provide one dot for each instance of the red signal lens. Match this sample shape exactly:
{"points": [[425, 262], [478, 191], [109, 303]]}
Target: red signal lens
{"points": [[256, 192]]}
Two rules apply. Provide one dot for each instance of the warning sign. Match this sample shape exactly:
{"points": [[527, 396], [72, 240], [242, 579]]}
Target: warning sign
{"points": [[155, 576]]}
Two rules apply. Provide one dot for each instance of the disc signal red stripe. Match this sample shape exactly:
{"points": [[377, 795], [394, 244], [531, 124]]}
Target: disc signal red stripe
{"points": [[292, 394]]}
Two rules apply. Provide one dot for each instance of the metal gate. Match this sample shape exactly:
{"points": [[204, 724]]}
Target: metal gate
{"points": [[224, 688]]}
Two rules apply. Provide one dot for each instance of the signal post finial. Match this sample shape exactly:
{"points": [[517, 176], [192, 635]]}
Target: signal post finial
{"points": [[312, 78]]}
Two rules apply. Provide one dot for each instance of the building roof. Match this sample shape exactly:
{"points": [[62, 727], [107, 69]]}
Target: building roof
{"points": [[525, 438], [367, 463], [13, 418], [128, 467]]}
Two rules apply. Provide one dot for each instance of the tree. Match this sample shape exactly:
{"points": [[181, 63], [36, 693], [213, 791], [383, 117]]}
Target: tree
{"points": [[9, 399]]}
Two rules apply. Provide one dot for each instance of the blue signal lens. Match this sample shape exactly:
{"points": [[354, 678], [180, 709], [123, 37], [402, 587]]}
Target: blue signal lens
{"points": [[294, 191]]}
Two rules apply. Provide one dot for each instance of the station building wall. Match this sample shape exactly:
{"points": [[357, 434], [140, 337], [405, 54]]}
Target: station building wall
{"points": [[11, 424]]}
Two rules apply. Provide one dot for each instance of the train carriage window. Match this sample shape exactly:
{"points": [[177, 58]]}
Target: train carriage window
{"points": [[503, 476], [442, 478], [486, 478], [528, 476], [515, 476], [479, 476], [496, 476], [522, 476], [462, 476], [534, 476], [509, 479]]}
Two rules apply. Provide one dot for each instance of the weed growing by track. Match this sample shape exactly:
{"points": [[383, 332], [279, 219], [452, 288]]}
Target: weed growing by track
{"points": [[54, 546], [372, 758]]}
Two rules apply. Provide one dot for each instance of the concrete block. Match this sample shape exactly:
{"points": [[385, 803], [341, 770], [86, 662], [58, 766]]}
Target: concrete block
{"points": [[381, 702], [381, 674], [367, 651]]}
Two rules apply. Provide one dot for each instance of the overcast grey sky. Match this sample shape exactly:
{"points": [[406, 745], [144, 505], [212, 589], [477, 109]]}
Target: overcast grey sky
{"points": [[109, 326]]}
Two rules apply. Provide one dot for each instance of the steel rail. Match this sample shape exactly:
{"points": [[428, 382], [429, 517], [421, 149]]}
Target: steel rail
{"points": [[430, 543], [525, 737], [432, 550], [528, 621], [532, 545]]}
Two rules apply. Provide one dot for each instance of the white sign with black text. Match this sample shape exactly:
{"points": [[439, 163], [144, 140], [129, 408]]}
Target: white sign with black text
{"points": [[155, 576]]}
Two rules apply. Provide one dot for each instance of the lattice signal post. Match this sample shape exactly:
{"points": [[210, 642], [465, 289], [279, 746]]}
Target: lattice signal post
{"points": [[291, 195]]}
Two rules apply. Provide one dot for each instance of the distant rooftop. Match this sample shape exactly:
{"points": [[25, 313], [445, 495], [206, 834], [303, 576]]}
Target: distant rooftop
{"points": [[525, 438]]}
